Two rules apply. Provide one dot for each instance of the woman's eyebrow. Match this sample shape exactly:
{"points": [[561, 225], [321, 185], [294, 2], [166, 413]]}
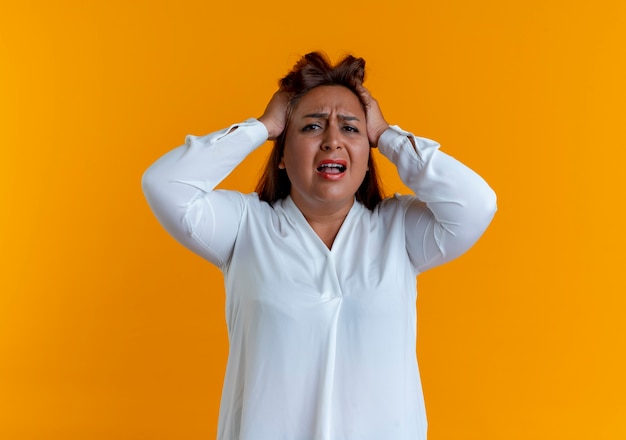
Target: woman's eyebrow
{"points": [[325, 115]]}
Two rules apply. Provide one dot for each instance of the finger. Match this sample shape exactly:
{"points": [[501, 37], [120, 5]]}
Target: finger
{"points": [[365, 94]]}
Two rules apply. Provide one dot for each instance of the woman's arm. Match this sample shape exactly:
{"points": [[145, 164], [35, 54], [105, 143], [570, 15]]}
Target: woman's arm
{"points": [[180, 186], [453, 205]]}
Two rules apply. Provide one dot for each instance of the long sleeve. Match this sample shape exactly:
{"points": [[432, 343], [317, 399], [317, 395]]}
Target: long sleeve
{"points": [[180, 187], [453, 205]]}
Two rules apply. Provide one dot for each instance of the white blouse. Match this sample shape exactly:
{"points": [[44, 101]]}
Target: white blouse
{"points": [[322, 342]]}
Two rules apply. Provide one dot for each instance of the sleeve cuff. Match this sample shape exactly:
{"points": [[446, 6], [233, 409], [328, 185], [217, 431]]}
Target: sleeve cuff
{"points": [[392, 136], [395, 140], [252, 128], [255, 129]]}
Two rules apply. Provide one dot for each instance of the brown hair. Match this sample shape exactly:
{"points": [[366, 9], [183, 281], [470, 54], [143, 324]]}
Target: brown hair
{"points": [[313, 70]]}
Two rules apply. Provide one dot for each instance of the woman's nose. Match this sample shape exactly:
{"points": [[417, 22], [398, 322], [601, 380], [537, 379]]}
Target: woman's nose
{"points": [[332, 140]]}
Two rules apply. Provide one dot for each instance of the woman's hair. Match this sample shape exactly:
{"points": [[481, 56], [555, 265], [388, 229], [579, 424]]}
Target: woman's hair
{"points": [[314, 70]]}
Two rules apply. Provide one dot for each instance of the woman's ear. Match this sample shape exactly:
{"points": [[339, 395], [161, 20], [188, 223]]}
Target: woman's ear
{"points": [[281, 164]]}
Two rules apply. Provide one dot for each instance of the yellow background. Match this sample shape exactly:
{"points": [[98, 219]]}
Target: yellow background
{"points": [[111, 330]]}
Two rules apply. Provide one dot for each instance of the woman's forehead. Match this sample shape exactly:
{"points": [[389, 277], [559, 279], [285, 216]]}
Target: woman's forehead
{"points": [[327, 99]]}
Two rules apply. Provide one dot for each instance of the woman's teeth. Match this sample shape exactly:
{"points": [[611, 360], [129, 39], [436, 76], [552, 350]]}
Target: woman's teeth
{"points": [[331, 168]]}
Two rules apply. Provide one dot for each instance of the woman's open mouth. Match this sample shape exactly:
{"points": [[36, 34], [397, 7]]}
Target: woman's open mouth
{"points": [[332, 169]]}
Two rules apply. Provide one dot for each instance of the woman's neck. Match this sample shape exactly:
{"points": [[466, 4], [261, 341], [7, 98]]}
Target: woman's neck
{"points": [[325, 219]]}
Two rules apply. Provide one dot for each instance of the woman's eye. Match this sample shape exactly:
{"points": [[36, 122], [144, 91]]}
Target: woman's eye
{"points": [[311, 127], [351, 129]]}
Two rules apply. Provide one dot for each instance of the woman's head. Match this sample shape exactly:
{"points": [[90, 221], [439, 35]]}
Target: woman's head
{"points": [[312, 72]]}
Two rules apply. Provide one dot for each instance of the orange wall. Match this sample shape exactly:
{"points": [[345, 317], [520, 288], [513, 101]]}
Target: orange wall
{"points": [[109, 329]]}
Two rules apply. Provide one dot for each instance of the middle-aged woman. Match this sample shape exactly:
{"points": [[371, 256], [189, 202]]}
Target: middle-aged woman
{"points": [[319, 268]]}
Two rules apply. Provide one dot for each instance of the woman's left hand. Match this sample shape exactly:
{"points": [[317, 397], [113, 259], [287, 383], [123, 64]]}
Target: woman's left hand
{"points": [[375, 122]]}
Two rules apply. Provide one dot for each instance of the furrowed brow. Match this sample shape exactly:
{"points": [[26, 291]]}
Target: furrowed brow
{"points": [[349, 118], [325, 115], [317, 115]]}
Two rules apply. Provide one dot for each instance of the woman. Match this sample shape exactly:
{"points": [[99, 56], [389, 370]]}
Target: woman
{"points": [[319, 269]]}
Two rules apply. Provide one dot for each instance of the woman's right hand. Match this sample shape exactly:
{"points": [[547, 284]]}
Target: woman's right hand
{"points": [[275, 116]]}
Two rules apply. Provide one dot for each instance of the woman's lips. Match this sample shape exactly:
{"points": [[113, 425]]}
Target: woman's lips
{"points": [[332, 169]]}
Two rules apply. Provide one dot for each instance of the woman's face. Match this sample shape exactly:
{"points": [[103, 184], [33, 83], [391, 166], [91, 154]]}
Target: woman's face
{"points": [[326, 148]]}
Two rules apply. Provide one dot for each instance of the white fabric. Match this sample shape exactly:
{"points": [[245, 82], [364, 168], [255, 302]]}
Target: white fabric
{"points": [[322, 342]]}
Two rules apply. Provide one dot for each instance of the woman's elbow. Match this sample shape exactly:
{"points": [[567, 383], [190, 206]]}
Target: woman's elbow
{"points": [[490, 205], [148, 182]]}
